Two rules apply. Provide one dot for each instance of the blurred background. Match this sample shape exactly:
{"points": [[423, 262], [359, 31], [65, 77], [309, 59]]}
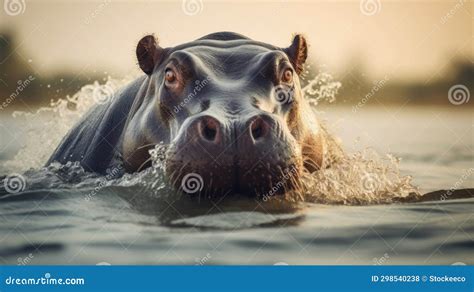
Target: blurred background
{"points": [[404, 75], [382, 52]]}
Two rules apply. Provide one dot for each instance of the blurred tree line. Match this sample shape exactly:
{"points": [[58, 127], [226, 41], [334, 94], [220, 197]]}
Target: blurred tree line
{"points": [[357, 87], [22, 87]]}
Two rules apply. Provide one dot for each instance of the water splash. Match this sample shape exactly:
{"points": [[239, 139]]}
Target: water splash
{"points": [[321, 87], [158, 157], [360, 178], [45, 128]]}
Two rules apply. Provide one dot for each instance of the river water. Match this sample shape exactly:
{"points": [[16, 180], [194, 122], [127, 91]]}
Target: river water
{"points": [[61, 215]]}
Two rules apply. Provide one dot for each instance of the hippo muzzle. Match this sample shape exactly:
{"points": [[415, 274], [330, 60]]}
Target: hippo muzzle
{"points": [[240, 150]]}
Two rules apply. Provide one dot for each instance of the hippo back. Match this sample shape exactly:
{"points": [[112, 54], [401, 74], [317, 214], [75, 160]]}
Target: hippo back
{"points": [[94, 141]]}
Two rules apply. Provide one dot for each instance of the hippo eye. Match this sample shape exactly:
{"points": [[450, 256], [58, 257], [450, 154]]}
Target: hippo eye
{"points": [[287, 76], [170, 76]]}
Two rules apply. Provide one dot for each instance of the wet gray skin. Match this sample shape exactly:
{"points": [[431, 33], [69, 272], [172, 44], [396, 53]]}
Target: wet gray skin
{"points": [[229, 108]]}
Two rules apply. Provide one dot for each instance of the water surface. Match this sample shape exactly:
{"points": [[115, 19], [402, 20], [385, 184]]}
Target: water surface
{"points": [[65, 216]]}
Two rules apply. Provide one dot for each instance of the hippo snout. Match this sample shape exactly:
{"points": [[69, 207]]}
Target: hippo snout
{"points": [[249, 154], [229, 109]]}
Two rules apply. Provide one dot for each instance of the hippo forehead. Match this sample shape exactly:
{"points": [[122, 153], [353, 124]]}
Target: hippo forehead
{"points": [[231, 58]]}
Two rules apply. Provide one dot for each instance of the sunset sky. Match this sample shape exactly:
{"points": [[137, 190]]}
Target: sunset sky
{"points": [[408, 39]]}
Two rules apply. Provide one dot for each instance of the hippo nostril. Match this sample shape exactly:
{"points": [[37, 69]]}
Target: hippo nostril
{"points": [[258, 128], [208, 128], [209, 133]]}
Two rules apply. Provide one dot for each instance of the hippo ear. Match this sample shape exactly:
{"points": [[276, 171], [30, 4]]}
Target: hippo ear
{"points": [[148, 53], [298, 52]]}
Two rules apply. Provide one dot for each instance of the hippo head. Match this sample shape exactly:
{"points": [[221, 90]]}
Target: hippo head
{"points": [[232, 112]]}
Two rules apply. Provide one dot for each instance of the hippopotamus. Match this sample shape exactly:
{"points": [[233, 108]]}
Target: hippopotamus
{"points": [[229, 109]]}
